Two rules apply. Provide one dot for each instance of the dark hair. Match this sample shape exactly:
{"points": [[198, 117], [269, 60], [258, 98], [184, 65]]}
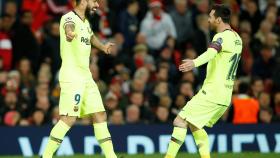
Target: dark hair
{"points": [[24, 12], [243, 88], [129, 2], [255, 79], [222, 11]]}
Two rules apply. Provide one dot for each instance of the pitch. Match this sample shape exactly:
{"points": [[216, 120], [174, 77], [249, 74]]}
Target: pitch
{"points": [[181, 155]]}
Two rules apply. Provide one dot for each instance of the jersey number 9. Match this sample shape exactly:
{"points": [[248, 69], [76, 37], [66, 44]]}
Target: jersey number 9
{"points": [[77, 98]]}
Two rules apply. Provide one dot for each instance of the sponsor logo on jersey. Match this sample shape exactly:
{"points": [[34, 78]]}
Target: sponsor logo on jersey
{"points": [[85, 40]]}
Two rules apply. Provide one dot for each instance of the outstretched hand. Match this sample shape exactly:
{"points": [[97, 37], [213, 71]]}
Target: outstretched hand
{"points": [[109, 48], [187, 65]]}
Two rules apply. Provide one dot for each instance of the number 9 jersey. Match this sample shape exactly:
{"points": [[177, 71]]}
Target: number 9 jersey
{"points": [[221, 70]]}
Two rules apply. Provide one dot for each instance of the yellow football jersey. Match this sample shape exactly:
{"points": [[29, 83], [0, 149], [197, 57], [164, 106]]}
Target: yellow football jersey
{"points": [[75, 55], [221, 70]]}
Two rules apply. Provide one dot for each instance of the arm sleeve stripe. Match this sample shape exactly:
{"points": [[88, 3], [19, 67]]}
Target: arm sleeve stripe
{"points": [[68, 22], [216, 45]]}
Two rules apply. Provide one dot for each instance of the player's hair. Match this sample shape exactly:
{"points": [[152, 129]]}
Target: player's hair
{"points": [[222, 11]]}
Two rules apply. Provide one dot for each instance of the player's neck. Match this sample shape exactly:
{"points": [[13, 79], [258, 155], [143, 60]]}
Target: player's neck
{"points": [[80, 12], [223, 27]]}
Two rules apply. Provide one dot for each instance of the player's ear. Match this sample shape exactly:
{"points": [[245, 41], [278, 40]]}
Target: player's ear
{"points": [[219, 20]]}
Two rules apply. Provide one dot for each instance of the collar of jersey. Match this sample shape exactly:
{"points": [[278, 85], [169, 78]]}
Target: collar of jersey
{"points": [[78, 15]]}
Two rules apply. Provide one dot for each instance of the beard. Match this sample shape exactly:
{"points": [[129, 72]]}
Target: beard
{"points": [[89, 12]]}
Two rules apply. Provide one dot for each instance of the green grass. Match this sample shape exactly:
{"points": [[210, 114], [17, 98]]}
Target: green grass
{"points": [[181, 155]]}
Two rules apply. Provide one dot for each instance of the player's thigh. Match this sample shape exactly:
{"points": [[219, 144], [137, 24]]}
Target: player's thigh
{"points": [[217, 114], [93, 101], [198, 112], [71, 98]]}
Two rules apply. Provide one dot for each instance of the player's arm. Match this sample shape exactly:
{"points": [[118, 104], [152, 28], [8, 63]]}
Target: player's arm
{"points": [[106, 48], [69, 28], [213, 48]]}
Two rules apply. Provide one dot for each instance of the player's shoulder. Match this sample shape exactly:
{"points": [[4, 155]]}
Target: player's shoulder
{"points": [[68, 16]]}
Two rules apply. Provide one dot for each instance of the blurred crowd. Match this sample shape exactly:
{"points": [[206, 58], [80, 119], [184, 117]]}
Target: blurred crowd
{"points": [[140, 81]]}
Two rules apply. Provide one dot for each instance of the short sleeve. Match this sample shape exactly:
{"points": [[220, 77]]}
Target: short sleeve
{"points": [[67, 20]]}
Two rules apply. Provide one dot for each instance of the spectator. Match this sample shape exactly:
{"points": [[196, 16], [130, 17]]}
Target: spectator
{"points": [[166, 56], [111, 102], [50, 47], [201, 36], [182, 18], [264, 100], [257, 87], [162, 115], [160, 90], [138, 85], [38, 8], [264, 66], [271, 16], [276, 117], [117, 117], [247, 59], [104, 21], [26, 18], [128, 23], [58, 8], [162, 72], [25, 43], [186, 89], [264, 29], [137, 98], [157, 26], [245, 108], [6, 47], [27, 78], [165, 101], [179, 103], [265, 115], [252, 13], [11, 8], [38, 117], [133, 114]]}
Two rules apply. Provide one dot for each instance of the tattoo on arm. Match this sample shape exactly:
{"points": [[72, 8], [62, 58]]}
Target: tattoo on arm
{"points": [[69, 27]]}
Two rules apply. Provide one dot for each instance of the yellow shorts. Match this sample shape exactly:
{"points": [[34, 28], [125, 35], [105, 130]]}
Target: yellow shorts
{"points": [[79, 99], [200, 112]]}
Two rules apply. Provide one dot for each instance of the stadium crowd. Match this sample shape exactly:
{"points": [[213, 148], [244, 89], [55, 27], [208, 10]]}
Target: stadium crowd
{"points": [[139, 82]]}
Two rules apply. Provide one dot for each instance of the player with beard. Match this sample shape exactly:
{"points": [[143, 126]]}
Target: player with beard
{"points": [[79, 96], [213, 99]]}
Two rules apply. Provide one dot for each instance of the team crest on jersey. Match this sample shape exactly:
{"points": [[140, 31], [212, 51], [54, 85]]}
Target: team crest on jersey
{"points": [[76, 108], [220, 40]]}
